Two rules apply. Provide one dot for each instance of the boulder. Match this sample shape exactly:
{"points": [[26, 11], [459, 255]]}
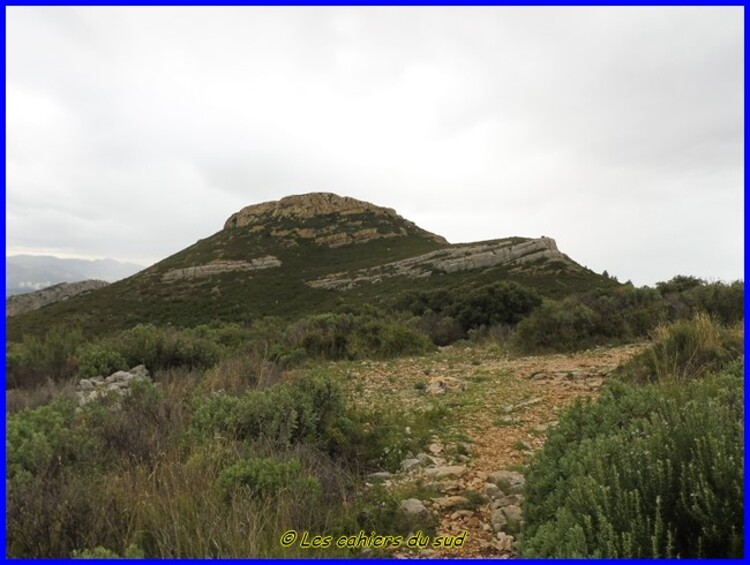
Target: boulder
{"points": [[414, 507], [499, 521], [120, 376], [492, 490], [508, 481], [85, 385], [139, 370], [514, 519], [446, 472], [508, 500]]}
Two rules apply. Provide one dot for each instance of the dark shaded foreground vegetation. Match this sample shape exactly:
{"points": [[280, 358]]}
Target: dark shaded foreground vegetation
{"points": [[172, 471], [229, 449]]}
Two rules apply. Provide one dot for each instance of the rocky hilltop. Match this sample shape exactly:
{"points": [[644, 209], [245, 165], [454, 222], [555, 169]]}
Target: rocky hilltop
{"points": [[326, 219], [21, 303]]}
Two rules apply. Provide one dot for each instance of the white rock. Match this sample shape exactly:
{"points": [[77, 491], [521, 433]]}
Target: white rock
{"points": [[85, 384], [121, 376], [409, 464], [447, 472]]}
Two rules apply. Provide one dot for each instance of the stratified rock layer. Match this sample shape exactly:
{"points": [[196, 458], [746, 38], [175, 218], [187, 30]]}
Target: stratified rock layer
{"points": [[21, 303], [456, 258]]}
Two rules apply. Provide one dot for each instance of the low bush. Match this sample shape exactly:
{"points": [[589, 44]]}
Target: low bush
{"points": [[35, 360], [649, 471], [349, 336], [164, 348], [446, 316], [499, 303], [267, 478], [99, 360], [312, 411], [557, 326]]}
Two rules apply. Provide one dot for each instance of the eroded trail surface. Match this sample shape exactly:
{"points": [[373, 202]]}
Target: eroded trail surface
{"points": [[470, 478]]}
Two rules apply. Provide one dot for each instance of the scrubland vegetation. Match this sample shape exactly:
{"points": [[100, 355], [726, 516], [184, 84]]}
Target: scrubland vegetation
{"points": [[247, 435]]}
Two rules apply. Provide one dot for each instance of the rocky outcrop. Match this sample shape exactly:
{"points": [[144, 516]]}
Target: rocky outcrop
{"points": [[118, 383], [294, 213], [305, 206], [455, 258], [218, 267], [21, 303]]}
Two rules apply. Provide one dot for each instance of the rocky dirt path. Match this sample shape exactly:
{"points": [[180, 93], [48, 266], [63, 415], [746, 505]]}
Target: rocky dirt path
{"points": [[500, 410]]}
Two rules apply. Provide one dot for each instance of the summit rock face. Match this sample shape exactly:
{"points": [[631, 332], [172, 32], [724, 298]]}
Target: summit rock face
{"points": [[325, 219], [303, 207]]}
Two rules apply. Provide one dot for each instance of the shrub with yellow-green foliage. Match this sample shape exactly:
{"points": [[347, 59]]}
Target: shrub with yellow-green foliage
{"points": [[685, 350]]}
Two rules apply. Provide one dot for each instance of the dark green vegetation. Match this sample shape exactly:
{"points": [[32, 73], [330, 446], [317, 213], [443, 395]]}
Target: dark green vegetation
{"points": [[649, 470], [625, 313], [503, 311], [269, 345]]}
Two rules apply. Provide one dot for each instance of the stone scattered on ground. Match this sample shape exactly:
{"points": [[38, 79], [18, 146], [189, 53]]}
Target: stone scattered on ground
{"points": [[447, 472], [447, 502], [410, 464], [441, 385], [503, 417]]}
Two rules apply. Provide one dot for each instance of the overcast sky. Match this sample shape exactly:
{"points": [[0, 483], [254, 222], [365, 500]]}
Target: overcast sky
{"points": [[133, 132]]}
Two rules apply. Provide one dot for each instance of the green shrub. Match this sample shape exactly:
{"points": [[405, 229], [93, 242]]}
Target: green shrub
{"points": [[557, 326], [652, 471], [447, 315], [35, 360], [165, 348], [499, 303], [45, 440], [96, 360], [284, 414], [679, 284], [724, 302], [349, 336], [266, 478], [385, 339], [312, 411]]}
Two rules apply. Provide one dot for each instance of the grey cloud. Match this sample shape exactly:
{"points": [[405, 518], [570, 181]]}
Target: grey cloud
{"points": [[132, 132]]}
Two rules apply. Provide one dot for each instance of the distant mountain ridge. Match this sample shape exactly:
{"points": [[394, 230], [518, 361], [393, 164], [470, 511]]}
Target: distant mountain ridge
{"points": [[306, 254], [21, 303], [29, 273]]}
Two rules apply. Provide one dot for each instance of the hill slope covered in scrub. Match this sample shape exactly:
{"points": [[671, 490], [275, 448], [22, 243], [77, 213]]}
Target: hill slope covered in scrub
{"points": [[308, 254]]}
